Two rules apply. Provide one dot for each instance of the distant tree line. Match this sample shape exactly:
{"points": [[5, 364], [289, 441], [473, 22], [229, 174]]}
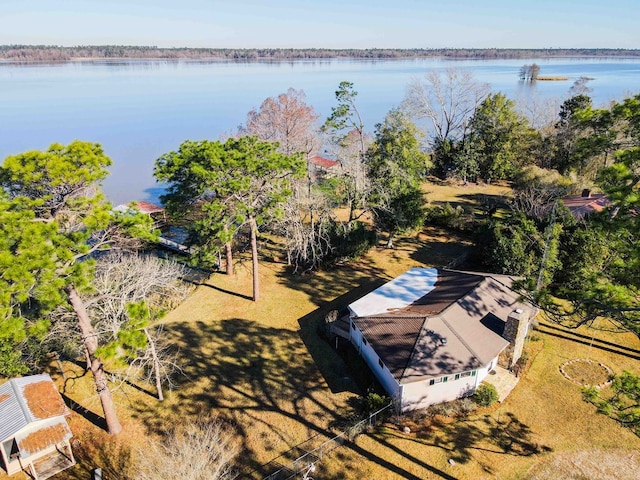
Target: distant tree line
{"points": [[52, 53]]}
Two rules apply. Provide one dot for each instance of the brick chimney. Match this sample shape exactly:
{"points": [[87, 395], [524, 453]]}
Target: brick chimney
{"points": [[515, 331]]}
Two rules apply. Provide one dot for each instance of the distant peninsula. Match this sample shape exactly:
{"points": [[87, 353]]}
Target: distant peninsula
{"points": [[47, 53]]}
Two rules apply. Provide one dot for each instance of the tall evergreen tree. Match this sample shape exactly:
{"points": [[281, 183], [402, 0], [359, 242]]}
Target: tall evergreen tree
{"points": [[395, 167], [59, 189], [241, 182], [500, 138]]}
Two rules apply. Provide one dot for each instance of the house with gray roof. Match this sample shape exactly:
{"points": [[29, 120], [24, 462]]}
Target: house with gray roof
{"points": [[432, 335], [34, 434]]}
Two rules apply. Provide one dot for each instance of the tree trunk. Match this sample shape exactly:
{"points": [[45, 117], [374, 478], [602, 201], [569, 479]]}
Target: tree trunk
{"points": [[90, 339], [254, 258], [229, 259], [390, 240], [156, 363], [87, 359]]}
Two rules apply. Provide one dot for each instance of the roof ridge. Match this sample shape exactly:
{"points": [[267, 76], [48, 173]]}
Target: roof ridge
{"points": [[389, 317], [484, 279], [20, 399], [413, 348]]}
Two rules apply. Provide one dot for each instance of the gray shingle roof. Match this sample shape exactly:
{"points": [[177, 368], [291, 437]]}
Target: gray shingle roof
{"points": [[454, 327]]}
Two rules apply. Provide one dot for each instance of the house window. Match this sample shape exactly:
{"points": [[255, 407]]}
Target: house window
{"points": [[353, 325], [473, 373], [457, 376], [466, 374], [433, 381], [380, 363], [364, 341], [445, 379]]}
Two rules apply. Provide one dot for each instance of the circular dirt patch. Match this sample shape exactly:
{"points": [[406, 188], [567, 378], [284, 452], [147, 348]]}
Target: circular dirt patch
{"points": [[586, 373]]}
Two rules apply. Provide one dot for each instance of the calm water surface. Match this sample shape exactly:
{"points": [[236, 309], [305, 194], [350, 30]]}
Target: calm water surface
{"points": [[138, 110]]}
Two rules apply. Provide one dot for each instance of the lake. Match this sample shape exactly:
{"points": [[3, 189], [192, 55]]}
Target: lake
{"points": [[139, 110]]}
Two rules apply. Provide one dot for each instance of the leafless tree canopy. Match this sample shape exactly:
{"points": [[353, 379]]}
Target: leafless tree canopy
{"points": [[288, 120], [446, 101], [541, 112], [203, 450], [305, 227], [350, 152], [123, 278], [536, 190]]}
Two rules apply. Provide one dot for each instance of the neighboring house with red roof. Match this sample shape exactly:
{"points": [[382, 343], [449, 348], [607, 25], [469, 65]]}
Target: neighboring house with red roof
{"points": [[147, 207], [320, 166], [34, 434], [583, 205], [432, 335], [323, 162], [154, 211]]}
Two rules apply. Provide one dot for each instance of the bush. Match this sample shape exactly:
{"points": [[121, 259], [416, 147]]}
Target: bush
{"points": [[446, 216], [454, 409], [485, 395], [353, 243], [374, 402]]}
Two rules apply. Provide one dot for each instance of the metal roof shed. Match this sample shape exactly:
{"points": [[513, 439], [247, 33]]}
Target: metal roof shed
{"points": [[34, 434]]}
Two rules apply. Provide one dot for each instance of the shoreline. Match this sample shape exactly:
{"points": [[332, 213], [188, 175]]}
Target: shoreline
{"points": [[44, 53]]}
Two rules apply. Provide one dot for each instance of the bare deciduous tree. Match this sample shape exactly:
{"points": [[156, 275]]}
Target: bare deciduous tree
{"points": [[288, 120], [157, 363], [536, 190], [202, 450], [541, 112], [305, 226], [446, 101], [123, 280]]}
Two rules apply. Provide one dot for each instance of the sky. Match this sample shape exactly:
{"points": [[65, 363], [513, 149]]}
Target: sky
{"points": [[323, 23]]}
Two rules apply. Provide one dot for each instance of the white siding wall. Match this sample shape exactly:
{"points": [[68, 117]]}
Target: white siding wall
{"points": [[371, 358], [421, 394], [484, 371], [417, 395]]}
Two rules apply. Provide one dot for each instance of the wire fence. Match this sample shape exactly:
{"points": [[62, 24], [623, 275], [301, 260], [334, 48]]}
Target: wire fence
{"points": [[301, 464]]}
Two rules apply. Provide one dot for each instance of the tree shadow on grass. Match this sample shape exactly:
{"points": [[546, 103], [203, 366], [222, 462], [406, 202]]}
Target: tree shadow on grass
{"points": [[437, 247], [87, 414], [228, 292], [261, 380], [506, 436], [338, 375], [476, 203], [323, 287], [592, 342]]}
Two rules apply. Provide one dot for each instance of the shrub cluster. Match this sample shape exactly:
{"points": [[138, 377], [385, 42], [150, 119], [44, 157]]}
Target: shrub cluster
{"points": [[485, 395], [447, 216]]}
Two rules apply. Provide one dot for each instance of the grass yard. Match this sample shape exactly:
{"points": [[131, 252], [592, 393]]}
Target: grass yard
{"points": [[470, 196], [263, 368]]}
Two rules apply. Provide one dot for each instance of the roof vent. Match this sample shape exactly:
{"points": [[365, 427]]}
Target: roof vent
{"points": [[519, 310], [443, 341]]}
